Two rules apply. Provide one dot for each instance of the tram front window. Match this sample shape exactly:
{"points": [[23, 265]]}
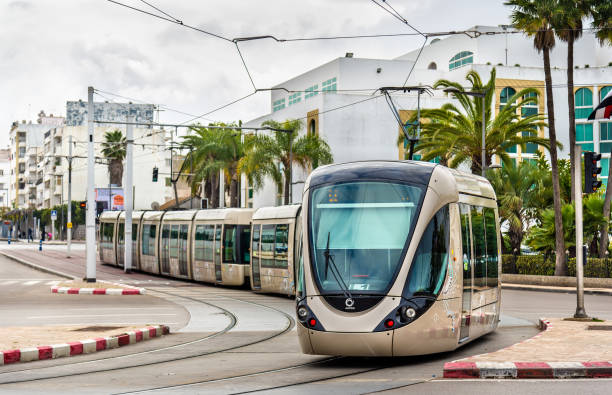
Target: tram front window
{"points": [[362, 227]]}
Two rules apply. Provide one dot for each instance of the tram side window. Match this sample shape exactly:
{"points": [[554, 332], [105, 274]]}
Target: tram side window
{"points": [[267, 246], [492, 248], [174, 235], [121, 234], [480, 251], [148, 240], [183, 238], [245, 240], [152, 231], [466, 244], [428, 269], [107, 235], [199, 243], [229, 244], [165, 239], [281, 249], [217, 244], [255, 246], [209, 237]]}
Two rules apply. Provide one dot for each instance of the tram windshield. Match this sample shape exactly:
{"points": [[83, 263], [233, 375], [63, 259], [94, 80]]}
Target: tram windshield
{"points": [[363, 227]]}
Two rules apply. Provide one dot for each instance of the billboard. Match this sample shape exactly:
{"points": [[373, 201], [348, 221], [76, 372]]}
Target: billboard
{"points": [[110, 198]]}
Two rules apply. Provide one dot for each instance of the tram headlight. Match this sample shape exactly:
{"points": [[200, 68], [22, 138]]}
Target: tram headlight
{"points": [[407, 313], [302, 312]]}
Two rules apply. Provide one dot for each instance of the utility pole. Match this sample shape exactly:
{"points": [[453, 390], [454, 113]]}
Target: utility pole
{"points": [[90, 223], [69, 224], [129, 182], [580, 312], [191, 172], [290, 167]]}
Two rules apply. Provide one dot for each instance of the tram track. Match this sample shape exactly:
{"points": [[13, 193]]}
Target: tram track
{"points": [[228, 328]]}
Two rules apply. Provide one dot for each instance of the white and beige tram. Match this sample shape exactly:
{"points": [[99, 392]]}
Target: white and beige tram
{"points": [[400, 258], [212, 246]]}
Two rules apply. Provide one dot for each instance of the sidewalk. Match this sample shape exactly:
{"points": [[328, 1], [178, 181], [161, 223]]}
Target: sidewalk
{"points": [[565, 349]]}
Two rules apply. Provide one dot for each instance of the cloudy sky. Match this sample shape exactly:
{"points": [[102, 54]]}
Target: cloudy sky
{"points": [[52, 50]]}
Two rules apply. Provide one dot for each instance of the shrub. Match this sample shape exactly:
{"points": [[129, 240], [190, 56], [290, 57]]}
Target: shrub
{"points": [[535, 264], [517, 65], [509, 264], [595, 267]]}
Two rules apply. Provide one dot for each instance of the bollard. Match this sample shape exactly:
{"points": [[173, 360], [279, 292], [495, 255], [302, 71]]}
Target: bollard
{"points": [[40, 245]]}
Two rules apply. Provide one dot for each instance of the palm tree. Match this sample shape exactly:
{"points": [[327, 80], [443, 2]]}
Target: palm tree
{"points": [[536, 18], [455, 136], [569, 29], [113, 149], [265, 152], [515, 187]]}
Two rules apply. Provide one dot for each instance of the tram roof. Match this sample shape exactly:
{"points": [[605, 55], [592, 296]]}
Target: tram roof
{"points": [[237, 214], [410, 171], [182, 215], [135, 214], [289, 211], [108, 216]]}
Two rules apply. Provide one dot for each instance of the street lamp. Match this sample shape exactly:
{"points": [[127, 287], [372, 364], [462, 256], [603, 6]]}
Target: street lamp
{"points": [[482, 95]]}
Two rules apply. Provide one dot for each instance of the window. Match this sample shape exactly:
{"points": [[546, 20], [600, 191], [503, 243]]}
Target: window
{"points": [[605, 162], [107, 235], [461, 59], [605, 128], [278, 105], [217, 253], [329, 85], [1, 172], [183, 247], [255, 243], [245, 240], [428, 269], [168, 182], [267, 245], [282, 246], [229, 244], [505, 95], [432, 66], [295, 98], [312, 127], [583, 101], [148, 240], [174, 237], [312, 91], [165, 249], [22, 152], [21, 168], [492, 249], [486, 249], [209, 239], [584, 136], [199, 243], [466, 246]]}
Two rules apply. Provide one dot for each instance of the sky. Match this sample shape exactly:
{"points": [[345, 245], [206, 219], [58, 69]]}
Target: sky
{"points": [[51, 51]]}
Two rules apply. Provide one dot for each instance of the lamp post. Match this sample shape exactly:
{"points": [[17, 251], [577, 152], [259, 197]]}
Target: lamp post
{"points": [[482, 95]]}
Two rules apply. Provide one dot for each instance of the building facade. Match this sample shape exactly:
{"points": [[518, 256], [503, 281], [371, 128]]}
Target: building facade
{"points": [[338, 100]]}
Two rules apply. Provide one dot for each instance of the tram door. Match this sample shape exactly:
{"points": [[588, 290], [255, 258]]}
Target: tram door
{"points": [[255, 262], [121, 244], [466, 246], [217, 254]]}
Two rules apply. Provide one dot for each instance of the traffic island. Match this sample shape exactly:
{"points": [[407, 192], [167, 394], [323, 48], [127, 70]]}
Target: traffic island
{"points": [[564, 349], [98, 288], [13, 340]]}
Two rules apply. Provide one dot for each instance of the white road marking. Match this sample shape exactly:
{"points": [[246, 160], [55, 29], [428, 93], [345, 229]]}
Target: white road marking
{"points": [[53, 282], [8, 282], [31, 282]]}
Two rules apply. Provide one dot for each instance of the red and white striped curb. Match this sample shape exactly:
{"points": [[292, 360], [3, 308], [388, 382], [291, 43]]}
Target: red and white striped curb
{"points": [[98, 291], [81, 347], [527, 370]]}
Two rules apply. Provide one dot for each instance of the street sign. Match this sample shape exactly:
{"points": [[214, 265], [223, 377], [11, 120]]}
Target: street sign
{"points": [[53, 215], [69, 225]]}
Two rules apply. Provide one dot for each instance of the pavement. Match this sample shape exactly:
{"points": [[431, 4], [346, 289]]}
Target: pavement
{"points": [[548, 355]]}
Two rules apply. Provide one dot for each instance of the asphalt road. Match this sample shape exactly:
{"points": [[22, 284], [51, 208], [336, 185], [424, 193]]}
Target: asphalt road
{"points": [[237, 342]]}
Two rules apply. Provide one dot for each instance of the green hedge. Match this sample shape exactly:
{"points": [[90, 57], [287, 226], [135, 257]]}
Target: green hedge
{"points": [[538, 265]]}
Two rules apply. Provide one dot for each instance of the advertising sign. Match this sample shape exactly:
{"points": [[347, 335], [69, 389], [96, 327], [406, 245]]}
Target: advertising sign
{"points": [[110, 198]]}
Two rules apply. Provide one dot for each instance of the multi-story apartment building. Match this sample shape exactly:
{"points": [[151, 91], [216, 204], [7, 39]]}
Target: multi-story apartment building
{"points": [[337, 100], [5, 171]]}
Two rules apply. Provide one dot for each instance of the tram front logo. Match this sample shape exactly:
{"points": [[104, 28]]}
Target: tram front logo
{"points": [[349, 303]]}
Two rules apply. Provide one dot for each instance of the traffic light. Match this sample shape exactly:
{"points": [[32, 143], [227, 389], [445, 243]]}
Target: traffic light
{"points": [[83, 204], [155, 172], [591, 170]]}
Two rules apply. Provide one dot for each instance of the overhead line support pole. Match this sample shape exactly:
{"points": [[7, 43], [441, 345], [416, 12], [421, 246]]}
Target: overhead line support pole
{"points": [[69, 230], [580, 311], [90, 224], [129, 192]]}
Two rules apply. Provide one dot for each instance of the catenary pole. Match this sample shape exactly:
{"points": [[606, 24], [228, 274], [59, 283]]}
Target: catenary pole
{"points": [[580, 312], [90, 223], [483, 154], [69, 230], [129, 182]]}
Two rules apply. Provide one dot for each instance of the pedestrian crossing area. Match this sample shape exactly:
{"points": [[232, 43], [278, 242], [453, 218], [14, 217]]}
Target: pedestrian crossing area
{"points": [[27, 282]]}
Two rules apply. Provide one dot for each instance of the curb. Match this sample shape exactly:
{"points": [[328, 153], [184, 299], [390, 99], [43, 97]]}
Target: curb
{"points": [[81, 347], [97, 291], [528, 370], [568, 290], [37, 267]]}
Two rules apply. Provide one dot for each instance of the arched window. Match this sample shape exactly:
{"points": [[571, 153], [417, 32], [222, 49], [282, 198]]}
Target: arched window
{"points": [[605, 134], [461, 59], [432, 66], [505, 95], [583, 102]]}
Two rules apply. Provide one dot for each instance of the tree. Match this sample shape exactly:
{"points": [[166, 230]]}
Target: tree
{"points": [[536, 18], [455, 136], [515, 187], [264, 153], [113, 149]]}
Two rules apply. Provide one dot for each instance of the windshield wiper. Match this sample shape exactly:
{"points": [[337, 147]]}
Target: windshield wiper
{"points": [[335, 272]]}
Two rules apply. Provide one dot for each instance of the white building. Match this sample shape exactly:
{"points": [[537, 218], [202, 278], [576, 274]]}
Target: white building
{"points": [[5, 179], [337, 100]]}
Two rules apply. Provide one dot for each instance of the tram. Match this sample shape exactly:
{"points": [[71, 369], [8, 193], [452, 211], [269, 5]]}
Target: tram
{"points": [[210, 246], [400, 258]]}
